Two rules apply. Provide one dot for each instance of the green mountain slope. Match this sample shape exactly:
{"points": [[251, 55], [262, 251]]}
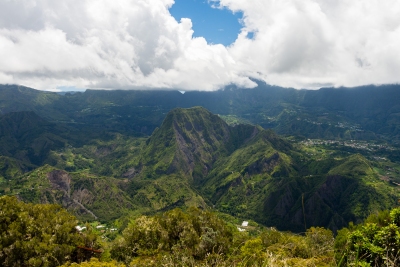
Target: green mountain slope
{"points": [[89, 197], [193, 159], [269, 185], [253, 173], [29, 138], [188, 142], [10, 168], [180, 154]]}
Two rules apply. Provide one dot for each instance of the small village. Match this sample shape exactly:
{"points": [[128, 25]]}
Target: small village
{"points": [[106, 232], [356, 144]]}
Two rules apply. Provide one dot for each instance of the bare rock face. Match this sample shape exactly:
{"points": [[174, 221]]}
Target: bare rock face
{"points": [[60, 180], [130, 173], [191, 140], [285, 202], [197, 139], [264, 164], [83, 196]]}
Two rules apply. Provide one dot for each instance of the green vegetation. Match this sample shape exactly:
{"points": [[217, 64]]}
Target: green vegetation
{"points": [[94, 262], [196, 159], [40, 235], [86, 195], [233, 120], [376, 242], [93, 154], [47, 235], [363, 113], [9, 169], [200, 238]]}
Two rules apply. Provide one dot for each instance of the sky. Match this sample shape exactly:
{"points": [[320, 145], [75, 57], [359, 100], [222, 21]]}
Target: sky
{"points": [[198, 44], [216, 25]]}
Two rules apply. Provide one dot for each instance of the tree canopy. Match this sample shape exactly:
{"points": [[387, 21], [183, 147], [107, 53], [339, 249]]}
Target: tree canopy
{"points": [[38, 234]]}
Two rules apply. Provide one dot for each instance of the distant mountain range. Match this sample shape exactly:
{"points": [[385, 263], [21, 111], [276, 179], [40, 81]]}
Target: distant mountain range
{"points": [[369, 112], [91, 152]]}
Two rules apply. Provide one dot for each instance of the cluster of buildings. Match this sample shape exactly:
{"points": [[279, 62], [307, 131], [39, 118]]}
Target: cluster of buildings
{"points": [[349, 143]]}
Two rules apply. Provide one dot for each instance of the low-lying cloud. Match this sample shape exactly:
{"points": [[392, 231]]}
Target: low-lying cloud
{"points": [[127, 44]]}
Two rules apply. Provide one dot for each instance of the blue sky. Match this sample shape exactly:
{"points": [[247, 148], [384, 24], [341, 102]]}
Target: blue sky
{"points": [[217, 26]]}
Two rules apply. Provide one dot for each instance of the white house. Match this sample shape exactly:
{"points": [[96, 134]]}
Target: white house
{"points": [[79, 228]]}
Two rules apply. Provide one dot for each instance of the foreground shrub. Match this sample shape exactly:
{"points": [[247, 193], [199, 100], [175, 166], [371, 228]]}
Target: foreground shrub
{"points": [[374, 243], [38, 235], [200, 238], [196, 234]]}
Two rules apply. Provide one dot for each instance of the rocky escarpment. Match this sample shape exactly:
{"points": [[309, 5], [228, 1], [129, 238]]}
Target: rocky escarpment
{"points": [[197, 145], [180, 155], [263, 164], [60, 180], [190, 141], [61, 188]]}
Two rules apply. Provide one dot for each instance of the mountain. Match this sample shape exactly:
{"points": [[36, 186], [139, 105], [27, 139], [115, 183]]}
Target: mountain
{"points": [[88, 196], [265, 177], [28, 138], [362, 113], [270, 189], [180, 154], [11, 168], [100, 164], [190, 140], [253, 173]]}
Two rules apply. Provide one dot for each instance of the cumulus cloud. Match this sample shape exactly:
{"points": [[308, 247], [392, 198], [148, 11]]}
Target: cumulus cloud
{"points": [[128, 44], [107, 44], [310, 43]]}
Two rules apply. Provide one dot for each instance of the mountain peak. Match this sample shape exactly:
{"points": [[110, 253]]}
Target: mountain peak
{"points": [[188, 141]]}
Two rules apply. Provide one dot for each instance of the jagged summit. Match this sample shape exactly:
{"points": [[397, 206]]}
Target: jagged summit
{"points": [[191, 140]]}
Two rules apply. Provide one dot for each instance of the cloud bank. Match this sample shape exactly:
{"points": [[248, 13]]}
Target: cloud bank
{"points": [[126, 44]]}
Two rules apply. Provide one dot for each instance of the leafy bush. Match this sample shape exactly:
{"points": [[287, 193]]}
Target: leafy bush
{"points": [[374, 243], [196, 234], [38, 235], [200, 238]]}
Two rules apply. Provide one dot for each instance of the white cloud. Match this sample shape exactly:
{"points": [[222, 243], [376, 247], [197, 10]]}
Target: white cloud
{"points": [[106, 44], [48, 44], [311, 43]]}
